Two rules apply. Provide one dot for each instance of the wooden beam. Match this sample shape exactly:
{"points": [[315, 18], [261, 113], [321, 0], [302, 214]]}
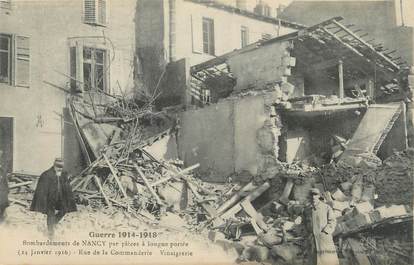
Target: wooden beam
{"points": [[206, 206], [19, 202], [251, 211], [236, 197], [177, 175], [358, 252], [251, 197], [366, 44], [114, 173], [148, 185], [98, 183], [286, 192], [341, 79], [343, 43], [12, 186]]}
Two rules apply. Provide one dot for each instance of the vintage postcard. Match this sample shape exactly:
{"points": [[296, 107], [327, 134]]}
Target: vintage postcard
{"points": [[206, 132]]}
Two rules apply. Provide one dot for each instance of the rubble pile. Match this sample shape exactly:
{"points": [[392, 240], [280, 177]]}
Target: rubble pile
{"points": [[394, 180]]}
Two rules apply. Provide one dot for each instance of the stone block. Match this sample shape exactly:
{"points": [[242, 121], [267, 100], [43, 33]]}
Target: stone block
{"points": [[387, 212], [338, 195], [340, 205], [270, 238], [363, 207]]}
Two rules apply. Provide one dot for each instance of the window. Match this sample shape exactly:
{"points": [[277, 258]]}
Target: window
{"points": [[244, 36], [14, 60], [5, 59], [95, 12], [93, 69], [208, 36], [89, 68]]}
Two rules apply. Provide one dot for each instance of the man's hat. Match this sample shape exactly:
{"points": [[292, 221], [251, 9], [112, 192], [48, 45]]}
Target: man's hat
{"points": [[58, 163], [315, 191]]}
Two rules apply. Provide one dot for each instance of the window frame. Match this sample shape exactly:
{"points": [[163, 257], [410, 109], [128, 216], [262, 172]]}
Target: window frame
{"points": [[209, 42], [76, 66], [93, 66], [19, 60]]}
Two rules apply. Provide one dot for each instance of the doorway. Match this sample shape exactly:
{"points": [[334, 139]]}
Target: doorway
{"points": [[6, 145]]}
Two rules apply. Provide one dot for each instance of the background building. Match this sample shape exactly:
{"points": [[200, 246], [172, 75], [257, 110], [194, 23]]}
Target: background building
{"points": [[45, 46], [173, 35], [389, 22]]}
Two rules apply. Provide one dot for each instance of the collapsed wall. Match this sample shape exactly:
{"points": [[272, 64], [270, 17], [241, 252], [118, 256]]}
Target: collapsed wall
{"points": [[235, 135]]}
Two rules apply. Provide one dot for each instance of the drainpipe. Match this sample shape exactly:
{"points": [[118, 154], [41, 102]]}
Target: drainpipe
{"points": [[172, 36], [341, 79]]}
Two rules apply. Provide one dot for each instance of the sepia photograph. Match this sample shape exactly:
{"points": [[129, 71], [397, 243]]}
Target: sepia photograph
{"points": [[217, 132]]}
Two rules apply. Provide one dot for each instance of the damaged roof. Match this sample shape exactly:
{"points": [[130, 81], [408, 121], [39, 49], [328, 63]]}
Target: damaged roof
{"points": [[326, 38]]}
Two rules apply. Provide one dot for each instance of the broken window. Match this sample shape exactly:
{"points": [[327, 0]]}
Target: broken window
{"points": [[95, 12], [208, 36], [244, 36], [94, 69], [88, 68], [14, 60]]}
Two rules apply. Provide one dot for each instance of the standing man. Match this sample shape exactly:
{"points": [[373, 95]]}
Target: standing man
{"points": [[4, 191], [53, 195], [320, 223]]}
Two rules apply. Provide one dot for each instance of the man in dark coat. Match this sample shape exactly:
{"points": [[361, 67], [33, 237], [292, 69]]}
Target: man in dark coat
{"points": [[4, 191], [53, 195], [320, 223]]}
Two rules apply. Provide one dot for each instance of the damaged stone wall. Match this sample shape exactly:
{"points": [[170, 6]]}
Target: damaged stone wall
{"points": [[271, 63], [234, 135]]}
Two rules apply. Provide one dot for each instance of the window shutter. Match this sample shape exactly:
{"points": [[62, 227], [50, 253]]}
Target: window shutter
{"points": [[22, 61], [197, 34], [89, 9], [76, 67], [102, 12]]}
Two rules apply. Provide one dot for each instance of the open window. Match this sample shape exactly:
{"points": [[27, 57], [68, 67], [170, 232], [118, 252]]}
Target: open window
{"points": [[95, 12], [14, 60], [89, 68]]}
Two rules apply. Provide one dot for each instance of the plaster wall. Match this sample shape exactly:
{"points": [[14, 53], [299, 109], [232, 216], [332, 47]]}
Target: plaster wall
{"points": [[38, 109]]}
